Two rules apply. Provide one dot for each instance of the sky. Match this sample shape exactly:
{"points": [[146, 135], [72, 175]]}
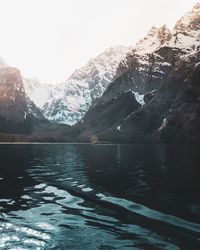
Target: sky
{"points": [[49, 39]]}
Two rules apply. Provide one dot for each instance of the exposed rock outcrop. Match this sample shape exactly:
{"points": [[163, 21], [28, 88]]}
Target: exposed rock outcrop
{"points": [[17, 111]]}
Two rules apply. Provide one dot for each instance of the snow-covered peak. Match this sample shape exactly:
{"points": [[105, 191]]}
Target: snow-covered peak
{"points": [[73, 98], [105, 62], [190, 21], [155, 38], [186, 33]]}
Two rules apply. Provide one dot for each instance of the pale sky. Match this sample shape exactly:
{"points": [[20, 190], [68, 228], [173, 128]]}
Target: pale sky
{"points": [[49, 39]]}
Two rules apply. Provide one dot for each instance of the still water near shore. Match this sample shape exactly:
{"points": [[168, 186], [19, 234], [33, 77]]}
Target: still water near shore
{"points": [[78, 196]]}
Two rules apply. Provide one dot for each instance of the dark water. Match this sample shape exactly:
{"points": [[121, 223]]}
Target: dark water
{"points": [[103, 197]]}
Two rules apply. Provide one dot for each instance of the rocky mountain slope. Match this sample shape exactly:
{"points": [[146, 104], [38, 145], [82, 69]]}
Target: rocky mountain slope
{"points": [[141, 69], [69, 101], [111, 114], [155, 55], [16, 109], [159, 67], [20, 119], [173, 114], [13, 103], [186, 35]]}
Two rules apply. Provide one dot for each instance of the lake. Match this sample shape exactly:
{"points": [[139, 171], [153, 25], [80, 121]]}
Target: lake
{"points": [[106, 197]]}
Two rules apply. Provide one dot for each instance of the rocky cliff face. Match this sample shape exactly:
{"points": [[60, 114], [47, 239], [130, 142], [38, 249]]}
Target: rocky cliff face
{"points": [[170, 115], [110, 114], [16, 109], [146, 65], [173, 114], [160, 68], [154, 56], [12, 95], [142, 73], [182, 122]]}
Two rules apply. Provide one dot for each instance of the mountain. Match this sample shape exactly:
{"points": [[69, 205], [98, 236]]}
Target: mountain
{"points": [[38, 92], [186, 34], [20, 119], [12, 95], [69, 101], [160, 68], [141, 69], [173, 114], [110, 114], [155, 38], [16, 109], [15, 103], [147, 93]]}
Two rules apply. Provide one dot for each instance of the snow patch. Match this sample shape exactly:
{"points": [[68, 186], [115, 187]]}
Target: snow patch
{"points": [[119, 128], [139, 98], [163, 125]]}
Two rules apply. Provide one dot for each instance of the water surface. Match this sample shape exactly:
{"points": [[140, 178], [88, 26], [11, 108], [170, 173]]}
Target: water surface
{"points": [[68, 196]]}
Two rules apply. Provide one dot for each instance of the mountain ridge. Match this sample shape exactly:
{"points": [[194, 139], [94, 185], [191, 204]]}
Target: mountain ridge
{"points": [[74, 97], [126, 94], [147, 73]]}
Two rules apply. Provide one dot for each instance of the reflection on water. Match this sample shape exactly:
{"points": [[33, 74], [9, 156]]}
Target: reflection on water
{"points": [[64, 196]]}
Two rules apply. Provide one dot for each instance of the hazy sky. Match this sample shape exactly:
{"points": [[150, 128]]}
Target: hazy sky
{"points": [[49, 39]]}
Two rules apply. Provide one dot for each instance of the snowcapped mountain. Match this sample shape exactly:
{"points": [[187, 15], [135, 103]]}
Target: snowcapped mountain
{"points": [[184, 36], [155, 38], [186, 33], [152, 58], [140, 69], [38, 92], [145, 66], [157, 70], [73, 98]]}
